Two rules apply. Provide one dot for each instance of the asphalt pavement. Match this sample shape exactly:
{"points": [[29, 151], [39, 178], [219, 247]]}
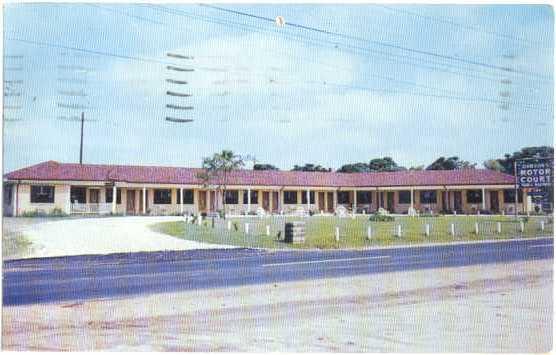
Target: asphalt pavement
{"points": [[78, 278]]}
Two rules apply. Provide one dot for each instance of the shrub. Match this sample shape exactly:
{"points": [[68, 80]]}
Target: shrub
{"points": [[34, 213], [57, 212], [381, 218]]}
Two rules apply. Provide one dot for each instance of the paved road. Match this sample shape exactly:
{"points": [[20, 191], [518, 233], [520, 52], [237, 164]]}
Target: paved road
{"points": [[75, 278]]}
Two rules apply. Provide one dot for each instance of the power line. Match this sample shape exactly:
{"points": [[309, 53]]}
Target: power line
{"points": [[456, 24], [182, 13], [125, 14], [178, 13], [107, 54], [349, 48], [380, 43]]}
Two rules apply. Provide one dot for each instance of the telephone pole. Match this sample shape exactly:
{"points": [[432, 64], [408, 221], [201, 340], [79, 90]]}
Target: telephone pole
{"points": [[81, 145]]}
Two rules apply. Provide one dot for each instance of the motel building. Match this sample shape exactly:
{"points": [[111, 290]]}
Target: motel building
{"points": [[150, 190]]}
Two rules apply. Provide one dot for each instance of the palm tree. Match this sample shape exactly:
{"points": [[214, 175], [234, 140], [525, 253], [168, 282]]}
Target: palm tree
{"points": [[217, 170]]}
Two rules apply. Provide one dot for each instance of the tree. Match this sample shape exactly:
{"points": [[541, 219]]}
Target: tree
{"points": [[451, 163], [217, 170], [311, 167], [507, 163], [264, 167], [417, 168], [354, 168], [493, 164], [384, 164]]}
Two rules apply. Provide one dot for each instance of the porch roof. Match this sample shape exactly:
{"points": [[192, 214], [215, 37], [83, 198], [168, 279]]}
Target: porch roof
{"points": [[52, 170]]}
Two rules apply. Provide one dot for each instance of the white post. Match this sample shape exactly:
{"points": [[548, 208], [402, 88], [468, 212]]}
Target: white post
{"points": [[521, 226], [16, 199], [427, 230], [229, 225], [354, 201], [246, 228], [248, 200], [308, 193], [181, 200], [114, 197], [267, 230], [200, 219], [399, 230], [498, 227], [144, 200], [476, 228], [337, 234], [542, 226], [452, 230], [483, 199], [369, 233], [411, 199]]}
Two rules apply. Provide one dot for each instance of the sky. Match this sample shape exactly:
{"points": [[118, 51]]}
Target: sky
{"points": [[352, 83]]}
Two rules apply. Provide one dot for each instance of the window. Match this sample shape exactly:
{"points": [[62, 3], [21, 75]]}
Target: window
{"points": [[109, 192], [162, 196], [343, 197], [364, 197], [254, 197], [304, 197], [232, 197], [78, 194], [290, 197], [509, 196], [187, 197], [474, 196], [404, 197], [8, 194], [42, 194], [428, 196]]}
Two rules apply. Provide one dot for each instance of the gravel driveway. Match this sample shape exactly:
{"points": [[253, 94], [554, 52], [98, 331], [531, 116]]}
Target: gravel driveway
{"points": [[98, 236]]}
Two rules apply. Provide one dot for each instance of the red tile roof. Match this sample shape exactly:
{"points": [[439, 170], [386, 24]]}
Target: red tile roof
{"points": [[52, 170]]}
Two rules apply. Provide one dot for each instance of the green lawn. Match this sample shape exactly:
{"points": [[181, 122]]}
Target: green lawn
{"points": [[320, 231], [15, 245]]}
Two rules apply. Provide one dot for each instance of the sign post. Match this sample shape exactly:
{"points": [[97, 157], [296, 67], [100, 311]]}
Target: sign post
{"points": [[532, 173]]}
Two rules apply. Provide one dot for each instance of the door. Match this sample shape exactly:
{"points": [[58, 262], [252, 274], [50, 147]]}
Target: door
{"points": [[321, 201], [275, 201], [130, 205], [266, 201], [94, 196], [457, 201], [444, 201], [390, 201], [213, 202], [494, 207], [202, 201], [330, 199]]}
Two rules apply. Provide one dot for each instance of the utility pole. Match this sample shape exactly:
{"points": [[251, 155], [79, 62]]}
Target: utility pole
{"points": [[81, 145]]}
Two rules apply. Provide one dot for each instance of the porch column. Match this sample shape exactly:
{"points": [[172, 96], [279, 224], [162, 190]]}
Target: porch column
{"points": [[270, 201], [335, 199], [208, 200], [326, 201], [308, 199], [484, 199], [114, 198], [354, 201], [144, 200], [15, 201], [248, 200], [181, 200], [411, 198]]}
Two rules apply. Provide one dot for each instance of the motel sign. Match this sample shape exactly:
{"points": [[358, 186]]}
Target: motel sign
{"points": [[534, 174]]}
